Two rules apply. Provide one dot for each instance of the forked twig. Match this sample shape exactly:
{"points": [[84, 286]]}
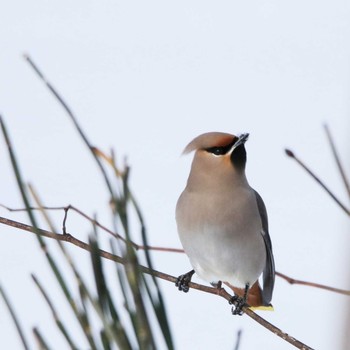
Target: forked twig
{"points": [[94, 222], [216, 291], [165, 249]]}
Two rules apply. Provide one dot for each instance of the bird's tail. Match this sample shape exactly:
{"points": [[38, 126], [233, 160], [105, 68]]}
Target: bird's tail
{"points": [[255, 298]]}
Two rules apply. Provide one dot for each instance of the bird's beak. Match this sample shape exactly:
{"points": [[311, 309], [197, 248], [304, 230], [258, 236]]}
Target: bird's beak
{"points": [[241, 140]]}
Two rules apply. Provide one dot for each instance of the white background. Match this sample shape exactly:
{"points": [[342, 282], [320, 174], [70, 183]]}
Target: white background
{"points": [[144, 78]]}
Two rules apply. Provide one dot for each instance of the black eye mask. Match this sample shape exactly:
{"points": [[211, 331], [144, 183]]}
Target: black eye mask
{"points": [[220, 150]]}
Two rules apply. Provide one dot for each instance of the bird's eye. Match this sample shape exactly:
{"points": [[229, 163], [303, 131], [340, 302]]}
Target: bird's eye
{"points": [[218, 151]]}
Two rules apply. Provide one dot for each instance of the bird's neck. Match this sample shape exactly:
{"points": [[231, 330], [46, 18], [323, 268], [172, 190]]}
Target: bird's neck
{"points": [[204, 181]]}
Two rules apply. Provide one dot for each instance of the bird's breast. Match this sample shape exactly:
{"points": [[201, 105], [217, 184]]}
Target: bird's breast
{"points": [[221, 234]]}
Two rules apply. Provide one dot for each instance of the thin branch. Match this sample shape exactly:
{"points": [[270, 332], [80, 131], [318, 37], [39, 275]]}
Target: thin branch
{"points": [[311, 284], [94, 222], [73, 119], [238, 339], [216, 291], [337, 159], [292, 155], [168, 249]]}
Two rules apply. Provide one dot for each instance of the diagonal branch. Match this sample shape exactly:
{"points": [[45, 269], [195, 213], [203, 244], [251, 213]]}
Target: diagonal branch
{"points": [[73, 119], [137, 246], [216, 291], [317, 179], [337, 159]]}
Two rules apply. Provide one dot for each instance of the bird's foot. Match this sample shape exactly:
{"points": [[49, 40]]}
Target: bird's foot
{"points": [[238, 303], [182, 282], [217, 285]]}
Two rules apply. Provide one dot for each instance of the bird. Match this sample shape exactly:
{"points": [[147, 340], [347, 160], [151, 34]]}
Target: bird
{"points": [[222, 223]]}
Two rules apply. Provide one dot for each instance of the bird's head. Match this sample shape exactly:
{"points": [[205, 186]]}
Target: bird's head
{"points": [[219, 148], [218, 155]]}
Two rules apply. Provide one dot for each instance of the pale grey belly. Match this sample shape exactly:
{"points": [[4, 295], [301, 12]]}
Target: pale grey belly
{"points": [[230, 258], [223, 246]]}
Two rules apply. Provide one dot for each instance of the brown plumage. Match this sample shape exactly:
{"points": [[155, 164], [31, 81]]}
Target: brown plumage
{"points": [[222, 221]]}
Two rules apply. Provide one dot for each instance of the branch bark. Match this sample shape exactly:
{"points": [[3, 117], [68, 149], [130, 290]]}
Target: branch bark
{"points": [[216, 291], [291, 280], [292, 155], [137, 246]]}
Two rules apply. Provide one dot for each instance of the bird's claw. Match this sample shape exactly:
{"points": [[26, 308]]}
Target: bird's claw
{"points": [[238, 303], [217, 285], [182, 282]]}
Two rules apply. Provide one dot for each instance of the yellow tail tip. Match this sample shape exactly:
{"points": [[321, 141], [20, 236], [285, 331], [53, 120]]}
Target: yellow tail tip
{"points": [[263, 308]]}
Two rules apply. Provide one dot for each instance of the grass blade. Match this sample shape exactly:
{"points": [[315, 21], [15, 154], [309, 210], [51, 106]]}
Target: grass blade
{"points": [[55, 316], [107, 310], [73, 119], [40, 340], [157, 297], [15, 319]]}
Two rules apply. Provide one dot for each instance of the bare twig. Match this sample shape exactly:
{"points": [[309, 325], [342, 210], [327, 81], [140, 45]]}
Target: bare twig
{"points": [[311, 284], [337, 159], [73, 119], [94, 222], [66, 237], [238, 339], [292, 155], [216, 291], [169, 249]]}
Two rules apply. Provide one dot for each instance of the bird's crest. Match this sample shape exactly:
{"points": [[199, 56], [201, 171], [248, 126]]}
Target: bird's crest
{"points": [[209, 139]]}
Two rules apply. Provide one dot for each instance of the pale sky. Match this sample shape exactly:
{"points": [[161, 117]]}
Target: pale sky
{"points": [[144, 78]]}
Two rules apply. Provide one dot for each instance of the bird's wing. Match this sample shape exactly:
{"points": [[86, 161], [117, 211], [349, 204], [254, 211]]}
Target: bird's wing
{"points": [[269, 270]]}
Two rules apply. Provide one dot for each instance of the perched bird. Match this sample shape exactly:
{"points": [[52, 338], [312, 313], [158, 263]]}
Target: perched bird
{"points": [[222, 222]]}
